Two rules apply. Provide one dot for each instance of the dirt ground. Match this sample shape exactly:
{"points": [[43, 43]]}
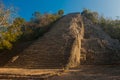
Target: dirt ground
{"points": [[105, 72], [86, 72], [27, 74]]}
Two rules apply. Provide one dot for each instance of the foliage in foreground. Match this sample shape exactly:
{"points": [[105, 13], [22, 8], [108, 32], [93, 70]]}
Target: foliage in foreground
{"points": [[13, 28], [9, 27]]}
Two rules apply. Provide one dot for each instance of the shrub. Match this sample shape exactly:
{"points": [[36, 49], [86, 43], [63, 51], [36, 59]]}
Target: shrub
{"points": [[39, 24], [93, 16], [6, 44], [60, 12]]}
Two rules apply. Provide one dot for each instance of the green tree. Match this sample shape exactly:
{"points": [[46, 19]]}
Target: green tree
{"points": [[10, 27], [36, 16], [60, 12]]}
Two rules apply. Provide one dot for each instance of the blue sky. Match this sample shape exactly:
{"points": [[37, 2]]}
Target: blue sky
{"points": [[109, 8]]}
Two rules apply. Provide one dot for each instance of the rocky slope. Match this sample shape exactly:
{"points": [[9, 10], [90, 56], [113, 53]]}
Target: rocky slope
{"points": [[98, 47]]}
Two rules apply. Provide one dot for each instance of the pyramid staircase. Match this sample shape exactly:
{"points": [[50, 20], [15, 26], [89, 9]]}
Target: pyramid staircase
{"points": [[53, 50]]}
